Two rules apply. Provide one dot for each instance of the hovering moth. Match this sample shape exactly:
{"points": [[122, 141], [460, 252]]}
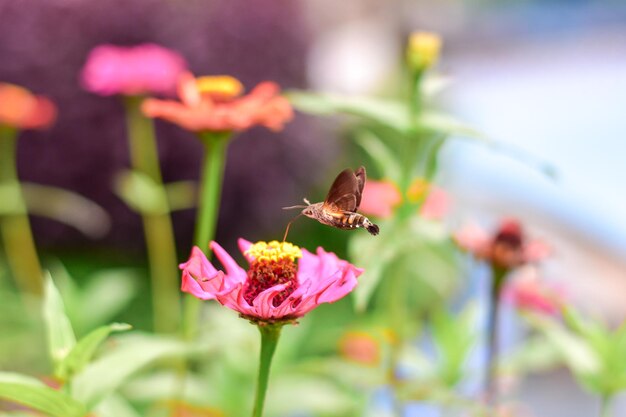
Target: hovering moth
{"points": [[340, 205]]}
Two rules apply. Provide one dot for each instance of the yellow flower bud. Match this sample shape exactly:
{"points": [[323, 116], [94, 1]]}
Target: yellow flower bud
{"points": [[423, 50]]}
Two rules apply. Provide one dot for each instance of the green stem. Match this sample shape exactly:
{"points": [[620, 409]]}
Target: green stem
{"points": [[398, 314], [491, 383], [269, 339], [17, 235], [216, 146], [605, 405], [158, 229]]}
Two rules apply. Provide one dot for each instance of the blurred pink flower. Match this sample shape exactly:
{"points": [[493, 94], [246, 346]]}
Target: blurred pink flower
{"points": [[20, 109], [507, 248], [275, 288], [528, 292], [213, 104], [360, 347], [380, 198], [132, 70]]}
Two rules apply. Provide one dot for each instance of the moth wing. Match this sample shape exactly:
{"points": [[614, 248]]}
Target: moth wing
{"points": [[360, 178], [344, 192]]}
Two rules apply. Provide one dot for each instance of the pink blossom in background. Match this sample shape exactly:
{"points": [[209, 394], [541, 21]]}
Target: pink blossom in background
{"points": [[360, 347], [527, 291], [381, 197], [218, 109], [132, 70], [274, 288], [20, 109], [436, 204], [507, 247]]}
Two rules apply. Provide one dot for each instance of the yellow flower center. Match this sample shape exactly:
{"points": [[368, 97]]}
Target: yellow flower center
{"points": [[417, 190], [223, 86], [274, 251], [423, 49]]}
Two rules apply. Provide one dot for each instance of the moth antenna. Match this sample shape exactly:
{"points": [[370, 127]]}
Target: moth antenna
{"points": [[308, 203], [294, 207], [289, 225]]}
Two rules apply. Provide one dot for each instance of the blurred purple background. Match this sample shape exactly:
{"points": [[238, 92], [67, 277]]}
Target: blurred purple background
{"points": [[43, 46]]}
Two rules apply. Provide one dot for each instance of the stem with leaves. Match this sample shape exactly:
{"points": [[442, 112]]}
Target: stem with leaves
{"points": [[215, 148], [158, 230], [270, 333], [17, 235]]}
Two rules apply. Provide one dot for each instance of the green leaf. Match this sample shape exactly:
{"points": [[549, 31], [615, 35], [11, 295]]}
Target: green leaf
{"points": [[84, 350], [33, 393], [116, 406], [439, 122], [575, 351], [61, 337], [386, 112], [105, 375], [68, 208], [381, 155], [97, 292], [181, 195], [141, 193]]}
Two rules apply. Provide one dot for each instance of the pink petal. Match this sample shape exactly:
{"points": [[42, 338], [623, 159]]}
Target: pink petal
{"points": [[474, 239], [244, 245], [233, 270], [263, 303], [535, 251]]}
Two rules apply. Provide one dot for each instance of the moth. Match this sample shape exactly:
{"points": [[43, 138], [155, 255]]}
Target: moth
{"points": [[341, 203]]}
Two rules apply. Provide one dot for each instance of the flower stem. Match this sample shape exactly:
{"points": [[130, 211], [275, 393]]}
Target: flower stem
{"points": [[269, 340], [216, 146], [491, 384], [17, 235], [605, 405], [158, 230]]}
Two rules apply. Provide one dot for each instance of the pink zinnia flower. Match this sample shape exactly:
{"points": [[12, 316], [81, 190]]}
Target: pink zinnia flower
{"points": [[528, 292], [274, 288], [132, 70], [380, 198], [213, 103], [507, 248], [20, 109]]}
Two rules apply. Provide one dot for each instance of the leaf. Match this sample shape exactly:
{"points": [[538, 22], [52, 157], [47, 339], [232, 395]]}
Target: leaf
{"points": [[386, 112], [380, 154], [116, 406], [141, 193], [104, 376], [33, 393], [97, 292], [68, 208], [61, 337], [181, 195], [574, 350], [439, 122], [84, 350]]}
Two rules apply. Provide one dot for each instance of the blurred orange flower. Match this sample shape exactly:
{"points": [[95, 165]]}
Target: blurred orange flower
{"points": [[20, 109], [214, 104]]}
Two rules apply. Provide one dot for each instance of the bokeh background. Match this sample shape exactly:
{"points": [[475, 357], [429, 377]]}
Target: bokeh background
{"points": [[546, 79]]}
